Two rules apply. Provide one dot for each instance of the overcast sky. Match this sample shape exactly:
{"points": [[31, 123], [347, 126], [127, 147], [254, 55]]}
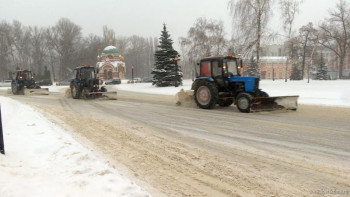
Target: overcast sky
{"points": [[140, 17]]}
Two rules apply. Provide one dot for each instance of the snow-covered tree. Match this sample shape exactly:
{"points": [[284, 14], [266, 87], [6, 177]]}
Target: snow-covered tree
{"points": [[252, 67], [165, 72], [321, 70]]}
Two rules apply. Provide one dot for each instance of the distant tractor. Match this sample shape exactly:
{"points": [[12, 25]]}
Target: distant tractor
{"points": [[23, 82], [219, 82], [86, 84]]}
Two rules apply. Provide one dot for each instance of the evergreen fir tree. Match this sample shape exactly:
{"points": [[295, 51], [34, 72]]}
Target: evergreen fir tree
{"points": [[321, 70], [46, 74], [252, 67], [296, 73], [165, 72]]}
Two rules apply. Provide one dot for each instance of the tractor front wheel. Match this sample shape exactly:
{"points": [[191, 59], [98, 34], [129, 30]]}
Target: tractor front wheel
{"points": [[206, 95], [244, 101], [76, 91]]}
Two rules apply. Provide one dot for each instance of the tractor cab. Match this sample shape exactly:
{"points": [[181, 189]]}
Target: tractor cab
{"points": [[220, 69], [220, 66], [23, 75], [85, 73]]}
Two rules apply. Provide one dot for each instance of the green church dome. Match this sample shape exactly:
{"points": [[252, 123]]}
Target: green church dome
{"points": [[110, 50]]}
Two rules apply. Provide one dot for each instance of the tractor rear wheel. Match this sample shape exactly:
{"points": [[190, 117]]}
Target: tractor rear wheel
{"points": [[225, 102], [76, 91], [244, 101], [14, 89], [206, 95]]}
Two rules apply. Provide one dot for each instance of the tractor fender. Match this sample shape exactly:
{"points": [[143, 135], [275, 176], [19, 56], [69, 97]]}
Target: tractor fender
{"points": [[194, 84]]}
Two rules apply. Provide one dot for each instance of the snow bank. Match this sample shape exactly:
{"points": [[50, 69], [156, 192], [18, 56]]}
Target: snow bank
{"points": [[333, 93], [51, 88], [43, 160], [150, 89]]}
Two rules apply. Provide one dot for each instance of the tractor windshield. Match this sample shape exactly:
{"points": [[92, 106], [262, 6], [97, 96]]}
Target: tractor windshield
{"points": [[88, 73], [231, 66], [24, 75]]}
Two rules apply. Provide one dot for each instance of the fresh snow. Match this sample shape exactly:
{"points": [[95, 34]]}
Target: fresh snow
{"points": [[329, 92], [43, 160], [110, 47]]}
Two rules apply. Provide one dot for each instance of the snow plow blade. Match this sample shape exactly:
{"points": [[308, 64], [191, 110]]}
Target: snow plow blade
{"points": [[39, 91], [274, 103], [109, 95]]}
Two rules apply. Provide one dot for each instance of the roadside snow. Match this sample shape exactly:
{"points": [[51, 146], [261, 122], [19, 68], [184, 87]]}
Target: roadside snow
{"points": [[43, 160], [51, 88], [332, 93]]}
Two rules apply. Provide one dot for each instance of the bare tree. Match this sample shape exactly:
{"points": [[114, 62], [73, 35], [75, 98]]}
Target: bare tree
{"points": [[307, 35], [22, 38], [136, 55], [122, 44], [205, 38], [289, 10], [38, 52], [64, 37], [334, 33], [6, 49], [250, 18], [108, 36]]}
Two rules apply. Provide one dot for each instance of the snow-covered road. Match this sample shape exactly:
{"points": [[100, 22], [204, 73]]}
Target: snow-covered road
{"points": [[182, 151], [176, 151], [44, 160]]}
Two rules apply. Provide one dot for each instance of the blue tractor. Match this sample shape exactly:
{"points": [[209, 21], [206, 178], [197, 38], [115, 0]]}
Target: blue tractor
{"points": [[85, 84], [220, 82], [23, 82]]}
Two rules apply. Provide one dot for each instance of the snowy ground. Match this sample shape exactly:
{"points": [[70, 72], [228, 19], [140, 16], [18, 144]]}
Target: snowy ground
{"points": [[332, 93], [43, 160]]}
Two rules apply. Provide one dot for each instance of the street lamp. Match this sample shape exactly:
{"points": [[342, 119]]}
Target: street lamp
{"points": [[176, 58], [132, 74]]}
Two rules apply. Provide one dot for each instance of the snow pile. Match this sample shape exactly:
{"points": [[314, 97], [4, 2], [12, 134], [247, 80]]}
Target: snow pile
{"points": [[334, 93], [42, 160]]}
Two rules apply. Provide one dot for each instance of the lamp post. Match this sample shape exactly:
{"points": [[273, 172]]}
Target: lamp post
{"points": [[176, 71], [132, 74], [2, 145]]}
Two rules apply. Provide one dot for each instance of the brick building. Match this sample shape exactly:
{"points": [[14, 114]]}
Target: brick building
{"points": [[271, 65]]}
